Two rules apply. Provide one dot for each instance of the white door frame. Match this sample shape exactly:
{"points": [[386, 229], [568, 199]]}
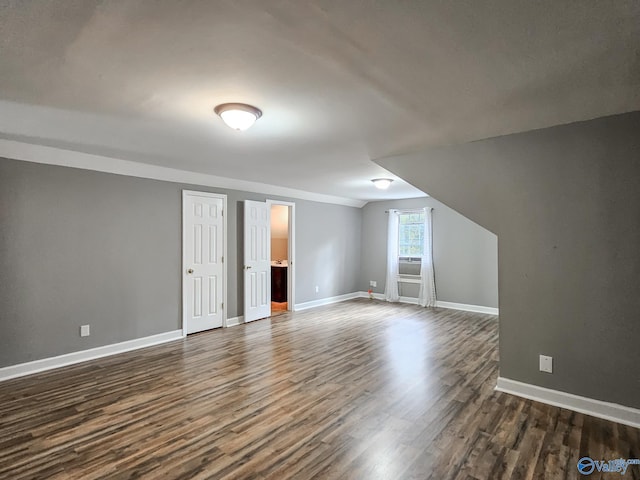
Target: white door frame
{"points": [[186, 193], [291, 276]]}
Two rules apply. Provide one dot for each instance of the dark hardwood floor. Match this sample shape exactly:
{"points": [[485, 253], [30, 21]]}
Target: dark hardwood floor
{"points": [[360, 389]]}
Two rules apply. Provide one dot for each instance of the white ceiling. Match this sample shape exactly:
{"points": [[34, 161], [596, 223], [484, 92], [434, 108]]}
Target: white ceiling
{"points": [[339, 82]]}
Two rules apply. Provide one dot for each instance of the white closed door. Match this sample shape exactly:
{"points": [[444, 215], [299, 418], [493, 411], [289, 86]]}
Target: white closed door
{"points": [[257, 260], [203, 250]]}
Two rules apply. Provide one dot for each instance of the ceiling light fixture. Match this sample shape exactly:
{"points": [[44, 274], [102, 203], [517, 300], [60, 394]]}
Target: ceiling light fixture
{"points": [[238, 116], [382, 183]]}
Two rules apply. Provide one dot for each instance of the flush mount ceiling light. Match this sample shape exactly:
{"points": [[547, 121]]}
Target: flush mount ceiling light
{"points": [[382, 183], [238, 116]]}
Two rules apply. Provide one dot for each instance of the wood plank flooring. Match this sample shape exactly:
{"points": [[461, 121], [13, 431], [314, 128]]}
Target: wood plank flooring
{"points": [[356, 390], [278, 308]]}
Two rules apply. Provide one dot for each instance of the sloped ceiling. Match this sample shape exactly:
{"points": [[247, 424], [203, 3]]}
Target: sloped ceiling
{"points": [[340, 83]]}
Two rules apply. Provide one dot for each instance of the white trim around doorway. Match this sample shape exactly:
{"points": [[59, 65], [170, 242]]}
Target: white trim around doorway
{"points": [[291, 274]]}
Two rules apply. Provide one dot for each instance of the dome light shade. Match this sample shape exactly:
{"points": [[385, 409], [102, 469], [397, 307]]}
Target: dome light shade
{"points": [[238, 116], [382, 183]]}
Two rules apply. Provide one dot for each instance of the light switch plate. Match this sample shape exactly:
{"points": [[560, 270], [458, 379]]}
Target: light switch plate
{"points": [[546, 364], [85, 330]]}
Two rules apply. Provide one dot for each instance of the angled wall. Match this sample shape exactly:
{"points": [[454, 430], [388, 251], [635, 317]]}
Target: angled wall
{"points": [[565, 204]]}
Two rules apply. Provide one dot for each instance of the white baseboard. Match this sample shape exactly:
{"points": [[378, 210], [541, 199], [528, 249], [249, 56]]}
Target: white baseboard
{"points": [[468, 308], [232, 322], [596, 408], [380, 296], [327, 301], [454, 306], [36, 366]]}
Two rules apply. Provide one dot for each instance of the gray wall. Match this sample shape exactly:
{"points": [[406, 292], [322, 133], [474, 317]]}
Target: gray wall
{"points": [[565, 204], [328, 239], [82, 247], [465, 255]]}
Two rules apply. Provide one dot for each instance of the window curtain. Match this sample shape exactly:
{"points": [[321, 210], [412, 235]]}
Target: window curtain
{"points": [[427, 294], [391, 293]]}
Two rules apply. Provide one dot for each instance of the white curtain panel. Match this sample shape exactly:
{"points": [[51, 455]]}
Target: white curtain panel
{"points": [[391, 293], [427, 294]]}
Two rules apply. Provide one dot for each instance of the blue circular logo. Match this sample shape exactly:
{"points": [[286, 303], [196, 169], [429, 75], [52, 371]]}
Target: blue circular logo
{"points": [[586, 466]]}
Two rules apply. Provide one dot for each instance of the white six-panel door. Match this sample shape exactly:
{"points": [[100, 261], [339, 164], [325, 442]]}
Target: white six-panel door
{"points": [[257, 260], [203, 257]]}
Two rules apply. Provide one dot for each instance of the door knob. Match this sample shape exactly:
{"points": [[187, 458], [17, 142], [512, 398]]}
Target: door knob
{"points": [[247, 267], [190, 271]]}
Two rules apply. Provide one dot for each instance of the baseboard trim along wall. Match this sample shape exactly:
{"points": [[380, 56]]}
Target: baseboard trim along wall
{"points": [[327, 301], [232, 322], [596, 408], [468, 308], [454, 306], [37, 366], [379, 296]]}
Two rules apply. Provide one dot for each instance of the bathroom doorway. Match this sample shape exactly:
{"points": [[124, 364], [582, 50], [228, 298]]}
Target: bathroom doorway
{"points": [[282, 252]]}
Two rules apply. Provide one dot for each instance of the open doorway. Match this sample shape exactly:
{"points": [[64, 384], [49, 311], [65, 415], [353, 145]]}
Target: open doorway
{"points": [[281, 256]]}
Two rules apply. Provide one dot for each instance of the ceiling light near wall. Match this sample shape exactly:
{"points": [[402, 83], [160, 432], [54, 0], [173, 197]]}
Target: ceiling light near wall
{"points": [[238, 116], [382, 183]]}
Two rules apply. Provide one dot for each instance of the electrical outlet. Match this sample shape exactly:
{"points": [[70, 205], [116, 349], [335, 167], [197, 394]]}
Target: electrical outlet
{"points": [[85, 330], [373, 283], [317, 289], [546, 364]]}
